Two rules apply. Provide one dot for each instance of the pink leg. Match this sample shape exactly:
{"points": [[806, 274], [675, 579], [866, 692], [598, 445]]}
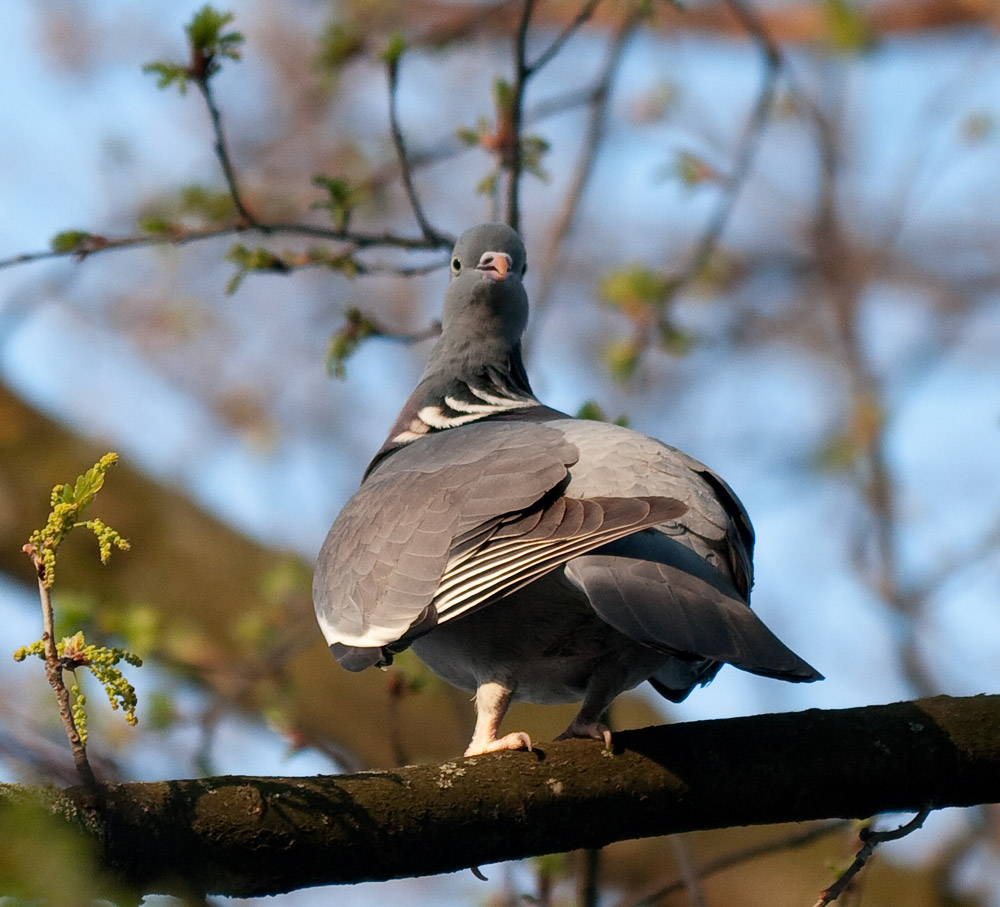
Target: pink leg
{"points": [[492, 700], [600, 693]]}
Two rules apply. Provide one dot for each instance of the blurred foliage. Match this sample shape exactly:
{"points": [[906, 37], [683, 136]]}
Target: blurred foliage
{"points": [[849, 31], [341, 200], [338, 43], [357, 328], [43, 861]]}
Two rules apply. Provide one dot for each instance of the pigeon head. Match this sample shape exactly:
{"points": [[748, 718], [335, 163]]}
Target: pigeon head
{"points": [[475, 370], [486, 305]]}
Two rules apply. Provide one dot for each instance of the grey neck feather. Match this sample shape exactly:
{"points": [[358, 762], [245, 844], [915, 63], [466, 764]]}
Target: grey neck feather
{"points": [[448, 397]]}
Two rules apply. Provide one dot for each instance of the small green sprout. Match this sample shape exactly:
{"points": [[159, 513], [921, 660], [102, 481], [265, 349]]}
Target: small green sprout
{"points": [[209, 43], [68, 503]]}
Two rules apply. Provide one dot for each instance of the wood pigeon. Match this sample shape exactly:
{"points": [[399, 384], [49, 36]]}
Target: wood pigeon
{"points": [[527, 555]]}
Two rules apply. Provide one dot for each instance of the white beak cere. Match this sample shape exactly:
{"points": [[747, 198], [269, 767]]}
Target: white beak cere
{"points": [[494, 265]]}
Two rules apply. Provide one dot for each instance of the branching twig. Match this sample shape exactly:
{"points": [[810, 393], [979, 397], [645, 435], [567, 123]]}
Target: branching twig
{"points": [[869, 841]]}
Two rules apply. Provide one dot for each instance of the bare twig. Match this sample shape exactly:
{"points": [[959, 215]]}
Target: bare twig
{"points": [[54, 673], [203, 81], [737, 858], [752, 133], [511, 158], [406, 170], [597, 99], [869, 841], [586, 11], [588, 888]]}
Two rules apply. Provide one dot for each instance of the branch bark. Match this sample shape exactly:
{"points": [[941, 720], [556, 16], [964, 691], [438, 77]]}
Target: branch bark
{"points": [[243, 836]]}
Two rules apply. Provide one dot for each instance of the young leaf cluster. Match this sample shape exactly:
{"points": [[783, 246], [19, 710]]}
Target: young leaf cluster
{"points": [[209, 43], [74, 652], [68, 503]]}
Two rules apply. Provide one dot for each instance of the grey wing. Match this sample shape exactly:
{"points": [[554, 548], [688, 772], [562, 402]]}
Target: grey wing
{"points": [[684, 586], [452, 522]]}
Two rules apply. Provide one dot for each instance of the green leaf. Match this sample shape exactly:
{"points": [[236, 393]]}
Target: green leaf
{"points": [[621, 358], [337, 44], [70, 241], [488, 184], [341, 199], [257, 259], [156, 225], [848, 29], [503, 97], [394, 49], [205, 32], [693, 171], [533, 149], [634, 287], [345, 342], [167, 74]]}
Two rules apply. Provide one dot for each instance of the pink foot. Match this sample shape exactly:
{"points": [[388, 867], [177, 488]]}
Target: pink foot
{"points": [[587, 729], [516, 741]]}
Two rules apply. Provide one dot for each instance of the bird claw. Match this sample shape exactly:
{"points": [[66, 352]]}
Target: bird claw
{"points": [[593, 730], [516, 741]]}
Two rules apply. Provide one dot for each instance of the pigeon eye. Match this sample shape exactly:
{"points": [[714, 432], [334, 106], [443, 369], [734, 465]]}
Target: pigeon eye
{"points": [[456, 265]]}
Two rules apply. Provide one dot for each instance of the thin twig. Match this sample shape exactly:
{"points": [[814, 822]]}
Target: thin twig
{"points": [[222, 151], [870, 840], [54, 673], [588, 889], [737, 858], [181, 237], [752, 133], [598, 99], [586, 11], [430, 234], [512, 155]]}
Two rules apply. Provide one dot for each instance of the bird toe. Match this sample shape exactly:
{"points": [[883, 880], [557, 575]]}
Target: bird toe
{"points": [[515, 741], [588, 730]]}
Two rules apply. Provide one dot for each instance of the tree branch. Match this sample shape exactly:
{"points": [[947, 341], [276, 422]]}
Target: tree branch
{"points": [[406, 168], [222, 151], [752, 133], [243, 836]]}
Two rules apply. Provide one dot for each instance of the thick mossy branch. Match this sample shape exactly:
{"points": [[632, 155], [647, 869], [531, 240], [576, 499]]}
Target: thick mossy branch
{"points": [[243, 836]]}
